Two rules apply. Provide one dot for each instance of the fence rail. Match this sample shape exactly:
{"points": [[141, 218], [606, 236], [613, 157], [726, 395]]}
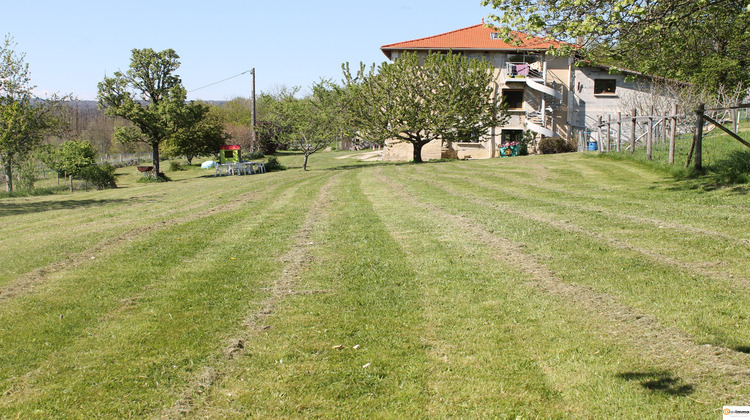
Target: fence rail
{"points": [[120, 158], [627, 132]]}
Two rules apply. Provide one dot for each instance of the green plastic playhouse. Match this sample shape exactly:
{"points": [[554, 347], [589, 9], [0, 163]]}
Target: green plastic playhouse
{"points": [[229, 153]]}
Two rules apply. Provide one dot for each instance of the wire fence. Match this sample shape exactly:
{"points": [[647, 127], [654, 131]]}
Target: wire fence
{"points": [[120, 159], [669, 138]]}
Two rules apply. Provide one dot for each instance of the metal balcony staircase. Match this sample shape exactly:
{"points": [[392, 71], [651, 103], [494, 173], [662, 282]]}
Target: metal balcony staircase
{"points": [[536, 121]]}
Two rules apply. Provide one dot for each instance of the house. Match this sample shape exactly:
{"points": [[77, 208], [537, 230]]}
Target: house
{"points": [[547, 95]]}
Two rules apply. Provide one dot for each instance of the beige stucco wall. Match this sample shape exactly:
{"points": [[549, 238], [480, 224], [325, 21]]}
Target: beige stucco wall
{"points": [[557, 67], [404, 152]]}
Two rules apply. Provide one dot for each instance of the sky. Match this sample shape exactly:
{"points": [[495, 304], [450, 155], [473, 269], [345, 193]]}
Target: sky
{"points": [[71, 45]]}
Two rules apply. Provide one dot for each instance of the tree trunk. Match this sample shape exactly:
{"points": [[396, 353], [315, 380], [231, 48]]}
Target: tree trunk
{"points": [[417, 152], [155, 159], [8, 166], [304, 164], [71, 183]]}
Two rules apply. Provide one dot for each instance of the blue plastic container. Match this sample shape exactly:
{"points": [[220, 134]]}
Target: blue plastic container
{"points": [[593, 146]]}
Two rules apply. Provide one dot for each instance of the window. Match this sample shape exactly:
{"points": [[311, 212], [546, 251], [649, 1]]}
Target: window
{"points": [[514, 98], [508, 136], [604, 86]]}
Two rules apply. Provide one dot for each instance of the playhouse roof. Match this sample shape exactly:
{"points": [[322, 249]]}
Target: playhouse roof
{"points": [[478, 37]]}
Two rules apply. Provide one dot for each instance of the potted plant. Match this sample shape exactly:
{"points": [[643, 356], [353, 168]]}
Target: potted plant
{"points": [[511, 148]]}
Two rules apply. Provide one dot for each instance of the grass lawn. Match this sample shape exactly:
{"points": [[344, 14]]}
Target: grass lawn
{"points": [[561, 286]]}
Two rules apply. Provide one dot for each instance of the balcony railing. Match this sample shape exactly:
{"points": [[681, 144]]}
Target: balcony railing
{"points": [[522, 71]]}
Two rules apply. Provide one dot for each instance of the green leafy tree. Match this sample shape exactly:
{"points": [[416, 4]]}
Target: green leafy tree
{"points": [[74, 157], [201, 133], [312, 123], [49, 156], [447, 98], [270, 136], [237, 111], [704, 41], [149, 95], [24, 119], [272, 129]]}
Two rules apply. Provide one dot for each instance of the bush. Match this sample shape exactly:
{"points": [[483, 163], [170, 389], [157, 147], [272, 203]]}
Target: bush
{"points": [[550, 145], [26, 172], [35, 192], [255, 155], [735, 169], [150, 179], [175, 166], [101, 176], [273, 164]]}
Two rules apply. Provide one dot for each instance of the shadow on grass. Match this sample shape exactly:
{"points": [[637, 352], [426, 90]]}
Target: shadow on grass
{"points": [[12, 209], [743, 349], [731, 172], [663, 382], [707, 183]]}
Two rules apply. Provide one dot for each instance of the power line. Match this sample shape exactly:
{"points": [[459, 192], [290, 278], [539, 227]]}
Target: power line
{"points": [[220, 81]]}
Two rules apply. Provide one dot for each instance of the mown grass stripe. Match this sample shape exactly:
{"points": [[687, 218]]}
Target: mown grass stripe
{"points": [[696, 253], [181, 310], [55, 262], [369, 299], [638, 333], [48, 244], [695, 246], [714, 306], [294, 261], [714, 311], [643, 196]]}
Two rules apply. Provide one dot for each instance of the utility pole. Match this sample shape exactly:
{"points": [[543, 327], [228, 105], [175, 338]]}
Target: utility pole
{"points": [[252, 122]]}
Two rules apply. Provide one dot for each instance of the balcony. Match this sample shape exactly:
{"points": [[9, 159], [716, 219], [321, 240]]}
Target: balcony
{"points": [[522, 71]]}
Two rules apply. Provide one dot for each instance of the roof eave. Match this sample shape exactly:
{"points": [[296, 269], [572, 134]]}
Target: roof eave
{"points": [[388, 50]]}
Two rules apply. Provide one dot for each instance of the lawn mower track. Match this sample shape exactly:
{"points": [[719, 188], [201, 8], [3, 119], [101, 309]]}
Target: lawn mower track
{"points": [[557, 190], [293, 262], [570, 227], [666, 345], [27, 282], [663, 345]]}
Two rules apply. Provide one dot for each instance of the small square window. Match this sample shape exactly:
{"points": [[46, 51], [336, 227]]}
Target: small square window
{"points": [[605, 86], [514, 98]]}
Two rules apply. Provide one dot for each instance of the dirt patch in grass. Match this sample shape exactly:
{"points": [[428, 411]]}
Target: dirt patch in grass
{"points": [[294, 261], [366, 157]]}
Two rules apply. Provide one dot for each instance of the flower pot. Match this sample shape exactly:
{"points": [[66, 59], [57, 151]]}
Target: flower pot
{"points": [[509, 151]]}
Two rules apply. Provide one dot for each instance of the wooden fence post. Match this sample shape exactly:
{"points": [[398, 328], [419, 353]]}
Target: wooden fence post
{"points": [[619, 130], [699, 137], [673, 134], [632, 131], [609, 131], [736, 119], [599, 127]]}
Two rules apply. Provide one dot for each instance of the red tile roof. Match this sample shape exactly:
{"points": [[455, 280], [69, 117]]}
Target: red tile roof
{"points": [[477, 37]]}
